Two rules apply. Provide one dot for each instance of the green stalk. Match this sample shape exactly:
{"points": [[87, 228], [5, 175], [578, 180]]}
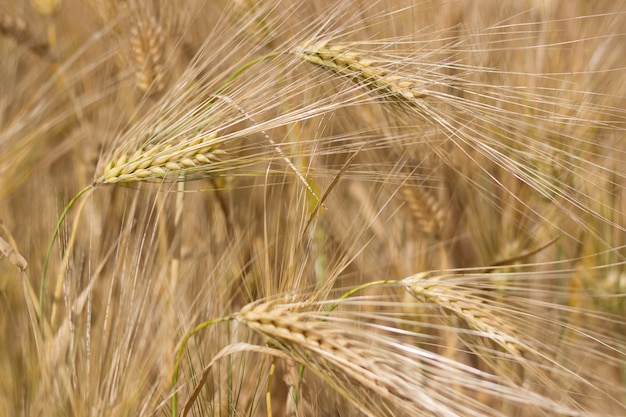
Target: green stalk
{"points": [[44, 270], [179, 356]]}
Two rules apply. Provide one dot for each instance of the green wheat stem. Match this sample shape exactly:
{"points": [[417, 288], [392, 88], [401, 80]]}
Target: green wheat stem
{"points": [[179, 356], [44, 270]]}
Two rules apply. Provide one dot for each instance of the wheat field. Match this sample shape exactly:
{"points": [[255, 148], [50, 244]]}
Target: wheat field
{"points": [[312, 208]]}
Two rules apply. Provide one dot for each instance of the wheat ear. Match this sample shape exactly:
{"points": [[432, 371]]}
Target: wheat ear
{"points": [[363, 68], [299, 336], [453, 300], [161, 159], [425, 208], [148, 47]]}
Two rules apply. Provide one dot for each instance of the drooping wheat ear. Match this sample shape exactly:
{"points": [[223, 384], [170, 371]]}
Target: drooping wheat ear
{"points": [[325, 349], [161, 159], [453, 299], [16, 28], [148, 47], [429, 216], [363, 68]]}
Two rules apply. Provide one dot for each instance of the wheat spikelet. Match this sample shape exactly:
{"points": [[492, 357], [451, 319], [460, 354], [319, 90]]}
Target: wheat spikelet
{"points": [[161, 159], [148, 47], [363, 68]]}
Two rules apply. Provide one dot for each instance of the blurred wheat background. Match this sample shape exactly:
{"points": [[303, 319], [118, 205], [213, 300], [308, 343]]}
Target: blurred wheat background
{"points": [[312, 208]]}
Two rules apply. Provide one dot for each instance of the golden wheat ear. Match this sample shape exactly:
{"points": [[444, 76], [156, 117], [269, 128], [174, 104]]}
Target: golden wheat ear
{"points": [[148, 46], [363, 68], [425, 208], [162, 160], [452, 301]]}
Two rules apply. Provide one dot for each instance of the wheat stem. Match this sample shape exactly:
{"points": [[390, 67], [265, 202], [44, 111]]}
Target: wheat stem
{"points": [[55, 233], [65, 262], [179, 356], [268, 389]]}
